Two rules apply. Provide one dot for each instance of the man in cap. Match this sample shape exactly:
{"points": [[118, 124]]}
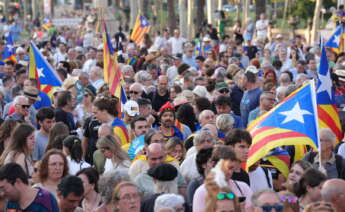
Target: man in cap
{"points": [[172, 70], [164, 176], [131, 110], [167, 120]]}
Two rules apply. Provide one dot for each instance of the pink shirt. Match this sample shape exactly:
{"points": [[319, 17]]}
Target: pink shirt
{"points": [[199, 199]]}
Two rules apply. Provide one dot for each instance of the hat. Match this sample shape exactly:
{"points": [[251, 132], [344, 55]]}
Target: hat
{"points": [[233, 69], [221, 85], [188, 94], [341, 74], [131, 108], [69, 82], [153, 49], [279, 36], [163, 172], [252, 69], [206, 39], [32, 93], [201, 91], [167, 107], [177, 56], [182, 68], [180, 100], [20, 50]]}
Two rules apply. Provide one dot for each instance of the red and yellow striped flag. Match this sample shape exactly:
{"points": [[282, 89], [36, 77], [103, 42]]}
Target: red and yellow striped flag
{"points": [[141, 27]]}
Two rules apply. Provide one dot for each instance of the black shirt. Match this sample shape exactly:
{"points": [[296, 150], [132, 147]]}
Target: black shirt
{"points": [[157, 100], [241, 176]]}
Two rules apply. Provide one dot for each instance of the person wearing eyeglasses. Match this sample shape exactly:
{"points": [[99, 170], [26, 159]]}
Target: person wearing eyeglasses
{"points": [[135, 91], [267, 201], [21, 109]]}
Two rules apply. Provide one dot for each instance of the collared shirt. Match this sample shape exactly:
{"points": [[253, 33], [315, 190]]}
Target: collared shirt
{"points": [[330, 166]]}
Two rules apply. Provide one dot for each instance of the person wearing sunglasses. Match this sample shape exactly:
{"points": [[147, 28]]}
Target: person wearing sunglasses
{"points": [[135, 91], [267, 201], [21, 109]]}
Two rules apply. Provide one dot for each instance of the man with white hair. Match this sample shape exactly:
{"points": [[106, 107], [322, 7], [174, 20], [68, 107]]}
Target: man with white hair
{"points": [[136, 91], [96, 77], [207, 117], [333, 164], [21, 109], [169, 201]]}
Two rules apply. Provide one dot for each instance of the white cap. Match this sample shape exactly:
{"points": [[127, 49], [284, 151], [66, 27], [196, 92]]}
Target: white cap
{"points": [[153, 49], [252, 69], [206, 39], [131, 108]]}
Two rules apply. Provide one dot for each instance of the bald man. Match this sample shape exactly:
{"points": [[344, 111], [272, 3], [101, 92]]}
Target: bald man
{"points": [[207, 117], [155, 155], [161, 95], [333, 191]]}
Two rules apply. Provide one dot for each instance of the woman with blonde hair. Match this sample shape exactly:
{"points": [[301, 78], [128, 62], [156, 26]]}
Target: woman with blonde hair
{"points": [[175, 149], [116, 158], [21, 148]]}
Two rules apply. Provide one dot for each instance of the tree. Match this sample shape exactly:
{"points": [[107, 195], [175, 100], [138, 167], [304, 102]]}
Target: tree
{"points": [[260, 7], [190, 19], [201, 14], [134, 7], [182, 5], [171, 15], [316, 21]]}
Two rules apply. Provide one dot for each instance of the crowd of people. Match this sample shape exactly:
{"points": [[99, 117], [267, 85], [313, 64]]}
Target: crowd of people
{"points": [[179, 143]]}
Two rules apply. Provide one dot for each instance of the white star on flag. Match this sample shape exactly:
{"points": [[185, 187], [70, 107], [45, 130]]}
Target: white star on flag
{"points": [[325, 84], [336, 39], [40, 72], [9, 47], [295, 114]]}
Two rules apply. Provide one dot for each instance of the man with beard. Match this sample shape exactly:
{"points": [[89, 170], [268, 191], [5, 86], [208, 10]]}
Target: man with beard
{"points": [[20, 195], [167, 121], [161, 95]]}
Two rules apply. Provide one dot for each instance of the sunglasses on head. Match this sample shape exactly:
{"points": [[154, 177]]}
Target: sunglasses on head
{"points": [[269, 208], [222, 196], [134, 92]]}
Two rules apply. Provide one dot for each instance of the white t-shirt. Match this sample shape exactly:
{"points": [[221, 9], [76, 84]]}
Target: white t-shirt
{"points": [[261, 28], [177, 44], [109, 165], [74, 167], [258, 180]]}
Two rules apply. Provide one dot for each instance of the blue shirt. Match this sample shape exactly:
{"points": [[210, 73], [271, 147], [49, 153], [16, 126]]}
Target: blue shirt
{"points": [[43, 202], [249, 102]]}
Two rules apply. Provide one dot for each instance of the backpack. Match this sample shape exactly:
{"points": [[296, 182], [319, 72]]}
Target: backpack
{"points": [[338, 163]]}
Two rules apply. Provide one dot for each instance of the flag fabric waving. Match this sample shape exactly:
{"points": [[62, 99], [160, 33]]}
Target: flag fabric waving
{"points": [[280, 159], [47, 79], [336, 41], [112, 70], [291, 122], [327, 111], [141, 27], [9, 54]]}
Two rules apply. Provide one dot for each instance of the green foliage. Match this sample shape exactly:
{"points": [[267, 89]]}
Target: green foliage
{"points": [[305, 8]]}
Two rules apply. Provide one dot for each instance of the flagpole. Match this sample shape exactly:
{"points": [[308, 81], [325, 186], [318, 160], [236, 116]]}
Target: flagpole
{"points": [[313, 96]]}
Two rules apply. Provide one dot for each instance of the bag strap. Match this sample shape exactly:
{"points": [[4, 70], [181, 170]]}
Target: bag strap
{"points": [[267, 177]]}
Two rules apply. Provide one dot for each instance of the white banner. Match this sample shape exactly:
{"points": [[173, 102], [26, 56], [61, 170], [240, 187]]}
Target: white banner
{"points": [[66, 21]]}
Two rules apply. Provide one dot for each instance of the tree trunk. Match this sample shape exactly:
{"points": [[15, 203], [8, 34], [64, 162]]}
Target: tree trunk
{"points": [[316, 21], [183, 17], [286, 6], [158, 14], [171, 15], [245, 10], [133, 11], [191, 25], [201, 14], [209, 11], [260, 7]]}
